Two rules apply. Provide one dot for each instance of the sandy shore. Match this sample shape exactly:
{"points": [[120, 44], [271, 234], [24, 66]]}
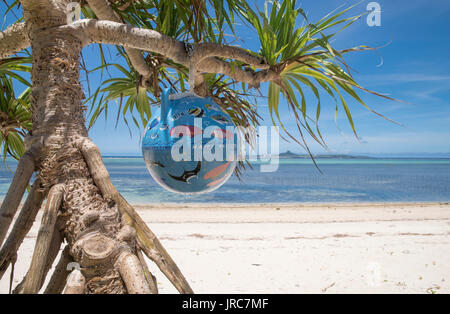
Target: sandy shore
{"points": [[298, 248]]}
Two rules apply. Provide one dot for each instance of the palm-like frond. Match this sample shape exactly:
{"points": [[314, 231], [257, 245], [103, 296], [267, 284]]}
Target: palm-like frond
{"points": [[305, 60], [10, 8], [181, 19], [127, 92], [15, 113], [236, 103], [302, 56], [10, 66]]}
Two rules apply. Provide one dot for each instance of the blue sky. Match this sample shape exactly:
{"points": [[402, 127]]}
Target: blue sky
{"points": [[415, 68]]}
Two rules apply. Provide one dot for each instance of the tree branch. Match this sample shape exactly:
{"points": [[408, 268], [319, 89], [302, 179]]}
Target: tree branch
{"points": [[45, 241], [20, 181], [151, 280], [216, 65], [103, 11], [13, 40], [22, 226], [59, 277], [132, 274], [55, 245], [205, 55], [208, 50]]}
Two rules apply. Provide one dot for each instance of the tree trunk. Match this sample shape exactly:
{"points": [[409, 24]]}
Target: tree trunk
{"points": [[103, 245], [91, 223]]}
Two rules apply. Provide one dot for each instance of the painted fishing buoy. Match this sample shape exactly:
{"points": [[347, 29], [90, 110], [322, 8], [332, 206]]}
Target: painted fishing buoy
{"points": [[190, 145]]}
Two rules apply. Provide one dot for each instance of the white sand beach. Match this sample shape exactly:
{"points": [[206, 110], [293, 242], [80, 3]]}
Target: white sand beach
{"points": [[297, 248]]}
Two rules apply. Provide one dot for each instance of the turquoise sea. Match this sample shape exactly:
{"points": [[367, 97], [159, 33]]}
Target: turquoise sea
{"points": [[296, 180]]}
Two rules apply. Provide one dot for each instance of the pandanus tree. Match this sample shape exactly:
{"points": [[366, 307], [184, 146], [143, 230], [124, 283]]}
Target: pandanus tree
{"points": [[160, 43]]}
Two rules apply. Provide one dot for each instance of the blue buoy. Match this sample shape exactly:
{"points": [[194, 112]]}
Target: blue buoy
{"points": [[190, 145]]}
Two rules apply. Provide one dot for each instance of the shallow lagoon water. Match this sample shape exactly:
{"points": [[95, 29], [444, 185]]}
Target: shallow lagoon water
{"points": [[296, 180]]}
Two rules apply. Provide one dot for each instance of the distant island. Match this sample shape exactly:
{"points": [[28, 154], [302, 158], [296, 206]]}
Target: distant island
{"points": [[286, 155], [290, 155]]}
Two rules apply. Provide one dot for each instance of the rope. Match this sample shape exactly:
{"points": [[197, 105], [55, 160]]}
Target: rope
{"points": [[190, 51]]}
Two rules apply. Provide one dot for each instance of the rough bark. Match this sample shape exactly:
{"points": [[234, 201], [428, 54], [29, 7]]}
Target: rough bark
{"points": [[13, 40], [46, 264], [132, 274], [40, 14], [35, 277]]}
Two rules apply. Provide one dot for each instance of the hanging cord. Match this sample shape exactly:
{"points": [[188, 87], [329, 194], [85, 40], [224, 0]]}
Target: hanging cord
{"points": [[190, 51]]}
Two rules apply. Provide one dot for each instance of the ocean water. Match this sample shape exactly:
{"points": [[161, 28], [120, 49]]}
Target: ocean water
{"points": [[296, 180]]}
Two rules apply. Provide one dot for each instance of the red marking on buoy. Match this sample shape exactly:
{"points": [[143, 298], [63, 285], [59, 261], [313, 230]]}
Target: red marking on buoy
{"points": [[183, 130], [221, 133], [213, 174], [216, 182]]}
